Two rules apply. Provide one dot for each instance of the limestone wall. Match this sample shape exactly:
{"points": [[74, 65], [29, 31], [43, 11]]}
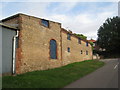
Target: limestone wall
{"points": [[33, 52], [35, 44], [75, 50]]}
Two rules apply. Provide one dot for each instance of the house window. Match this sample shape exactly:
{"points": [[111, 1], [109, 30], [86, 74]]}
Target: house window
{"points": [[81, 52], [45, 22], [86, 52], [68, 36], [87, 44], [79, 41], [53, 49], [68, 49]]}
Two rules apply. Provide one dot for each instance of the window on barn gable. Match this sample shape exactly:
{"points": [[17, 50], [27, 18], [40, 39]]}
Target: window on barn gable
{"points": [[53, 49], [68, 36], [45, 22], [68, 49], [87, 44], [79, 40]]}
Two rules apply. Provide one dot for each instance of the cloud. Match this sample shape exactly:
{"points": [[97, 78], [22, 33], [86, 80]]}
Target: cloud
{"points": [[35, 9], [64, 6], [60, 0], [82, 23], [0, 10], [86, 22]]}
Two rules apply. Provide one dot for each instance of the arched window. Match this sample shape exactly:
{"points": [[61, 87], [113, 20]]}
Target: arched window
{"points": [[53, 49]]}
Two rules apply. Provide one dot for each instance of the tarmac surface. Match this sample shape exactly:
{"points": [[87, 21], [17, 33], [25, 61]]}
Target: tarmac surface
{"points": [[104, 77]]}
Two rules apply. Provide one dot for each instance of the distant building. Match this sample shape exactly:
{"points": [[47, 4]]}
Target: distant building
{"points": [[32, 43], [93, 41], [95, 46], [95, 49]]}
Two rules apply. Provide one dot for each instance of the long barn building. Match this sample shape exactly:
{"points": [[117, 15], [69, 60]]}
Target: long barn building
{"points": [[31, 43]]}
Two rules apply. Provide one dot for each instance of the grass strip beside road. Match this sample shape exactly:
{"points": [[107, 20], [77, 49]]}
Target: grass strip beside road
{"points": [[53, 78], [0, 82]]}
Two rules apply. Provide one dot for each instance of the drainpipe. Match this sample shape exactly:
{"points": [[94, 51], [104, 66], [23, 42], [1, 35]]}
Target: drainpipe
{"points": [[14, 53]]}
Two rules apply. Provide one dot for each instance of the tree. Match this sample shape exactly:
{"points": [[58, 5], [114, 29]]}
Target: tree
{"points": [[109, 35], [91, 43], [81, 36]]}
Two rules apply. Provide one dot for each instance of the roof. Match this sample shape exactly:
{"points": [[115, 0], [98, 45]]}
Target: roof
{"points": [[8, 18], [6, 26], [92, 40], [64, 30], [17, 15]]}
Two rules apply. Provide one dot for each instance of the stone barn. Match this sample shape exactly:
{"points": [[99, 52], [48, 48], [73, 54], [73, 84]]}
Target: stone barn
{"points": [[40, 44]]}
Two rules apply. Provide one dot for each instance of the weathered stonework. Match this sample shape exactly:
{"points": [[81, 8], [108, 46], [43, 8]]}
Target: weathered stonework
{"points": [[33, 52], [35, 44], [75, 49]]}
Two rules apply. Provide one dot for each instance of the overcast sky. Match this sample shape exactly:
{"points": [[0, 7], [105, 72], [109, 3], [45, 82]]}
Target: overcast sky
{"points": [[78, 16]]}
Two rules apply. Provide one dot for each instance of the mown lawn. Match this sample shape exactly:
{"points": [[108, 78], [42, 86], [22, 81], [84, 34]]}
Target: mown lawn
{"points": [[54, 78]]}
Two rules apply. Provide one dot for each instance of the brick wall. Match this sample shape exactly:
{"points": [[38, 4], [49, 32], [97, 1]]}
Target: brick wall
{"points": [[75, 49], [35, 44], [33, 52]]}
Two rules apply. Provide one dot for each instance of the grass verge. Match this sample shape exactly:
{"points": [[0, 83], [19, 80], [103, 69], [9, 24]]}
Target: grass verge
{"points": [[53, 78], [0, 82]]}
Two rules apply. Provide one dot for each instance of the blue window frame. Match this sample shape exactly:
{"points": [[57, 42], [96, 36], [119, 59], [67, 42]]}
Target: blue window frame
{"points": [[68, 36], [79, 40], [87, 44], [53, 49], [45, 22], [68, 49]]}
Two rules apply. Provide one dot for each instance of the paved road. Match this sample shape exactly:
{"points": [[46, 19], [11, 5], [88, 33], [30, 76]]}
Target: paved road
{"points": [[104, 77]]}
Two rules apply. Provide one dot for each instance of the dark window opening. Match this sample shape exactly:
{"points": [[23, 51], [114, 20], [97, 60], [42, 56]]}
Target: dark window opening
{"points": [[45, 22], [68, 36], [53, 49], [81, 52], [86, 52], [79, 41], [68, 49], [86, 43]]}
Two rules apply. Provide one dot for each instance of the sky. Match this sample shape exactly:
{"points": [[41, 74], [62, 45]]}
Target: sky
{"points": [[82, 17]]}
